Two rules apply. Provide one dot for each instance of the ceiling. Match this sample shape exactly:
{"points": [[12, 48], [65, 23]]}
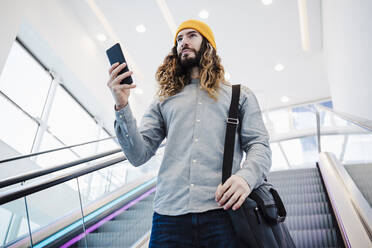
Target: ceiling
{"points": [[251, 39]]}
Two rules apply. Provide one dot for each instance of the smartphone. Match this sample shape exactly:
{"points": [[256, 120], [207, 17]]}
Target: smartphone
{"points": [[115, 54]]}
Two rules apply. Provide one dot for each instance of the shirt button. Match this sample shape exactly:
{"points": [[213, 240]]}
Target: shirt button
{"points": [[120, 116], [192, 185], [126, 135]]}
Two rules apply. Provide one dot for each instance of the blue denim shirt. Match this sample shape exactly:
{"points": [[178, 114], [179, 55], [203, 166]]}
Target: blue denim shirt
{"points": [[194, 126]]}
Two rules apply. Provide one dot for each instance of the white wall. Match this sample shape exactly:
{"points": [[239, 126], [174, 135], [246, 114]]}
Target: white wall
{"points": [[11, 16], [347, 35]]}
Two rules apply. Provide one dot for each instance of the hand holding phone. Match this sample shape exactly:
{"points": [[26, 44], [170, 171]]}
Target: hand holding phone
{"points": [[115, 54], [120, 81]]}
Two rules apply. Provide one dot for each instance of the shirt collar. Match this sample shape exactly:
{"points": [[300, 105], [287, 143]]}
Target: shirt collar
{"points": [[195, 81]]}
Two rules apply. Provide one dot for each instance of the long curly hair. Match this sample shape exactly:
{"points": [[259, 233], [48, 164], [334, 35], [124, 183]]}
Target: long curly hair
{"points": [[172, 78]]}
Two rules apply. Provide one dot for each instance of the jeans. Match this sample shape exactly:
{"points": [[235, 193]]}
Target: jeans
{"points": [[212, 228]]}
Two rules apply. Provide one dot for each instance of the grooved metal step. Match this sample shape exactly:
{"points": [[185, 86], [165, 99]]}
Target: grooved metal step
{"points": [[308, 208], [302, 199], [309, 217], [315, 238], [310, 222], [125, 229]]}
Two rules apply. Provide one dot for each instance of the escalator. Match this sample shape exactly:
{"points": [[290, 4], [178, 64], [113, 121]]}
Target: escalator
{"points": [[134, 223], [309, 215], [310, 218], [121, 214]]}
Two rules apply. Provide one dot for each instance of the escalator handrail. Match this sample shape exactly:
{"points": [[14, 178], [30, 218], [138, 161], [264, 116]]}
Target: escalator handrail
{"points": [[363, 123], [16, 193], [37, 173], [25, 190], [52, 150]]}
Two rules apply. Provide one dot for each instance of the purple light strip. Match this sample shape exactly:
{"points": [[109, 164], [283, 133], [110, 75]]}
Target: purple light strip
{"points": [[104, 220]]}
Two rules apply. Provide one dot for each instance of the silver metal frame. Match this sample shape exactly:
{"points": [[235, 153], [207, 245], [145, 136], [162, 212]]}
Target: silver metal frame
{"points": [[359, 202], [350, 224]]}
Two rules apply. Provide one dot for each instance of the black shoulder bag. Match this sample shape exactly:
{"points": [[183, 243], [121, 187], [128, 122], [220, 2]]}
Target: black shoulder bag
{"points": [[259, 222]]}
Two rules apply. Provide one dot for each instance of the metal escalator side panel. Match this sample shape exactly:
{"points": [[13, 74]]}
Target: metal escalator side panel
{"points": [[350, 225]]}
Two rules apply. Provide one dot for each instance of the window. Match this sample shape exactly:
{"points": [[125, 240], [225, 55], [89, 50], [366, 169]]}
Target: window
{"points": [[301, 151], [25, 81], [17, 129], [72, 124], [278, 159], [303, 118], [280, 120], [55, 158]]}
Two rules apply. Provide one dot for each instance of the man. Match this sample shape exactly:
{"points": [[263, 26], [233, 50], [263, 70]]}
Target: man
{"points": [[191, 111]]}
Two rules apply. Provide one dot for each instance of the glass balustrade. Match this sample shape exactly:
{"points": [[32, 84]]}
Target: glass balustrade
{"points": [[58, 210], [352, 146]]}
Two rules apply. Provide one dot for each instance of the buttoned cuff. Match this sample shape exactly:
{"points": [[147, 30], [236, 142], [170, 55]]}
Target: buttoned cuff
{"points": [[124, 114]]}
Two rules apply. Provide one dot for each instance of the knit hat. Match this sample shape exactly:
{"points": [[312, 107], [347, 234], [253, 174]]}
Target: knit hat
{"points": [[201, 27]]}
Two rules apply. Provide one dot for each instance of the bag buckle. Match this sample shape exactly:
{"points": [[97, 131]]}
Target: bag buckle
{"points": [[233, 121]]}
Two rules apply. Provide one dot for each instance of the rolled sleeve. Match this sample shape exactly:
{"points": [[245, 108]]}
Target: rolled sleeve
{"points": [[255, 142], [139, 144]]}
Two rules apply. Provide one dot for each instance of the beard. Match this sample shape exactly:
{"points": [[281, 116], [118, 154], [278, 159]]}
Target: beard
{"points": [[188, 62]]}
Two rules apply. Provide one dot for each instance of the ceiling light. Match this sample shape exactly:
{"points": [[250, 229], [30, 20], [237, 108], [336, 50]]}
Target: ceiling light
{"points": [[203, 14], [141, 28], [138, 91], [101, 37], [267, 2], [284, 99], [279, 67], [227, 76]]}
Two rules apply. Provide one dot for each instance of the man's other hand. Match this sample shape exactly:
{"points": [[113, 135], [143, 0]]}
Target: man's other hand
{"points": [[233, 192]]}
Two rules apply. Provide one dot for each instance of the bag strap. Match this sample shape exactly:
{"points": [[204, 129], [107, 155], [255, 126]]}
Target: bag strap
{"points": [[282, 213], [228, 154], [232, 124]]}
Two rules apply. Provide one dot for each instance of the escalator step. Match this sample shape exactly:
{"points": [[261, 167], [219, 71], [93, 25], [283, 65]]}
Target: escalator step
{"points": [[301, 198], [315, 208], [300, 189], [310, 222], [311, 172], [315, 238], [125, 229], [131, 214], [123, 225], [109, 239], [296, 181]]}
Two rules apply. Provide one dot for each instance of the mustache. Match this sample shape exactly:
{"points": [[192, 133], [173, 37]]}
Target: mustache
{"points": [[188, 48]]}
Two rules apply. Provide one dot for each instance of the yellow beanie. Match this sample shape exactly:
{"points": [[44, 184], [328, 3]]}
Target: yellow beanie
{"points": [[201, 27]]}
